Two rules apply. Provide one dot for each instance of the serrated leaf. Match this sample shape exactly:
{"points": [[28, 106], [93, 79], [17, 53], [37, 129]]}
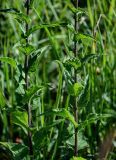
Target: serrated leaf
{"points": [[72, 62], [77, 87], [71, 28], [63, 113], [81, 36], [17, 14], [78, 10], [19, 151], [21, 119], [8, 60], [85, 95], [35, 28], [88, 58], [42, 132], [30, 93], [26, 49], [32, 63]]}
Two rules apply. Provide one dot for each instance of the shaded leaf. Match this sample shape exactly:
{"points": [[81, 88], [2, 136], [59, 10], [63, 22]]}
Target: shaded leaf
{"points": [[2, 99], [88, 57], [19, 151], [21, 119], [17, 14], [85, 95], [30, 93], [62, 113], [39, 136]]}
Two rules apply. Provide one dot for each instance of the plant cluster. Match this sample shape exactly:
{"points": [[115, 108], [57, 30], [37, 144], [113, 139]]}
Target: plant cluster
{"points": [[57, 80]]}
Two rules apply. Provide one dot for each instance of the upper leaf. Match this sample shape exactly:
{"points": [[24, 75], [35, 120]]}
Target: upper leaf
{"points": [[26, 49], [37, 27]]}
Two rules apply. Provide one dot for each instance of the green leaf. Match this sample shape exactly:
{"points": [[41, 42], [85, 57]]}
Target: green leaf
{"points": [[2, 99], [17, 14], [39, 137], [88, 57], [77, 10], [81, 36], [33, 63], [85, 94], [63, 113], [31, 3], [26, 49], [77, 158], [19, 151], [90, 13], [72, 62], [30, 93], [82, 143], [8, 60], [35, 28], [9, 10], [92, 119], [86, 40], [21, 119], [77, 87]]}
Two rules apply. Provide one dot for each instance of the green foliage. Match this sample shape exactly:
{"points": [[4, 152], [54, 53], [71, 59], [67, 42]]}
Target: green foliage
{"points": [[18, 150], [8, 60], [2, 100], [49, 68], [21, 119], [77, 158]]}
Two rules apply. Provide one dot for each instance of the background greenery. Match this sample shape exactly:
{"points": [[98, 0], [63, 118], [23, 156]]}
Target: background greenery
{"points": [[52, 90]]}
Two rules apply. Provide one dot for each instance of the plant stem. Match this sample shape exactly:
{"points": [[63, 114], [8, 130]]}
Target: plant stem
{"points": [[27, 84], [75, 75]]}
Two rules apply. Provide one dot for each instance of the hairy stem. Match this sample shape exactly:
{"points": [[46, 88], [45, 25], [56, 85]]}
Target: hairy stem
{"points": [[75, 75], [27, 84]]}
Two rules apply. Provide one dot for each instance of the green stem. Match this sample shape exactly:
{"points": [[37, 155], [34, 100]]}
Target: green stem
{"points": [[27, 85], [75, 75]]}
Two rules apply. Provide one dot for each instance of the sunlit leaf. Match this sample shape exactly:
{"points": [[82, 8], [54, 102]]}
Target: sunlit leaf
{"points": [[26, 49], [77, 158], [52, 25], [8, 60]]}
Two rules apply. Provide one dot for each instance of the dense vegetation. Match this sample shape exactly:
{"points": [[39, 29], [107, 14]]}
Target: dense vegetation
{"points": [[57, 79]]}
